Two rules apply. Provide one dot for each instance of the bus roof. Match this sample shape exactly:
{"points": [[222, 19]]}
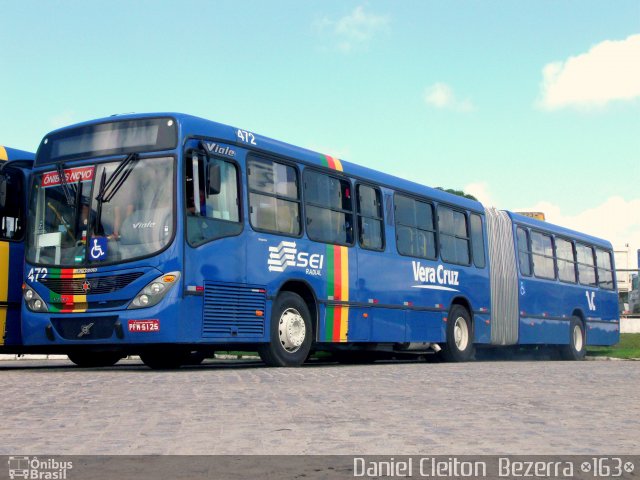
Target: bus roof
{"points": [[558, 230], [196, 126], [7, 153]]}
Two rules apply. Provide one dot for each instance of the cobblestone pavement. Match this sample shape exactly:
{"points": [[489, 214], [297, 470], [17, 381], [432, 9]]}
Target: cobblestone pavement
{"points": [[242, 407]]}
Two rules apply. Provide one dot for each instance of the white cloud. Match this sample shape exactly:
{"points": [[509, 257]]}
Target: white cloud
{"points": [[440, 95], [353, 31], [616, 220], [480, 190], [609, 71]]}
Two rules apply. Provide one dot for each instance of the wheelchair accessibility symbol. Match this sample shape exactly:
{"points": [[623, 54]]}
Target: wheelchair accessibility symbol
{"points": [[98, 248]]}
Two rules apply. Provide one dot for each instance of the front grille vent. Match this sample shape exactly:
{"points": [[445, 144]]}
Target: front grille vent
{"points": [[97, 285], [78, 328], [233, 310]]}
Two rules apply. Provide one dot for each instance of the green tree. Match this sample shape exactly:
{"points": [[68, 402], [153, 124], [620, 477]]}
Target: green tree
{"points": [[460, 193]]}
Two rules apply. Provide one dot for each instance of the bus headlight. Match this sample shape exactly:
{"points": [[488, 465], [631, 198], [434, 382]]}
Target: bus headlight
{"points": [[155, 291], [34, 301]]}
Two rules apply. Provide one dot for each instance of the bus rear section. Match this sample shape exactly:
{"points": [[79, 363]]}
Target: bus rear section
{"points": [[15, 166], [559, 289]]}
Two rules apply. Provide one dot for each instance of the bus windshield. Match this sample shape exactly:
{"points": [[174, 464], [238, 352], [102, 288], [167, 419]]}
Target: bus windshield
{"points": [[70, 224]]}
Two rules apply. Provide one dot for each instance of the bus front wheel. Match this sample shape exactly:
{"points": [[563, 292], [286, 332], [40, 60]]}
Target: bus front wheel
{"points": [[459, 345], [95, 359], [576, 350], [169, 360], [291, 332]]}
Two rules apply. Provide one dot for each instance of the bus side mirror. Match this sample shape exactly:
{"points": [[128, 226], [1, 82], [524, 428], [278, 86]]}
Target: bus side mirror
{"points": [[3, 191], [215, 181]]}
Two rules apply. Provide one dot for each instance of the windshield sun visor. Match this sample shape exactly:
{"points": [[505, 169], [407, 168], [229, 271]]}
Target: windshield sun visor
{"points": [[109, 138]]}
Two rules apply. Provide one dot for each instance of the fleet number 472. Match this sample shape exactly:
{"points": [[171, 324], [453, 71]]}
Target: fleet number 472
{"points": [[36, 274], [246, 137]]}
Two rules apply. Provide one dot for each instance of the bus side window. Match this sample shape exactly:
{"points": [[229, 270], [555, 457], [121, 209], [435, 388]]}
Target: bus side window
{"points": [[454, 236], [566, 261], [586, 265], [211, 216], [542, 254], [415, 228], [524, 253], [274, 197], [477, 241], [370, 225], [605, 273], [329, 208]]}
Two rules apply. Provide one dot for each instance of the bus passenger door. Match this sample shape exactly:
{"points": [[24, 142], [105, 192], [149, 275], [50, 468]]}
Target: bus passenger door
{"points": [[11, 257], [214, 251], [381, 281]]}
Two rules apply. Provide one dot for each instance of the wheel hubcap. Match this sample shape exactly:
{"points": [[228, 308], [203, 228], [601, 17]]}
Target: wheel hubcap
{"points": [[461, 333], [577, 338], [291, 330]]}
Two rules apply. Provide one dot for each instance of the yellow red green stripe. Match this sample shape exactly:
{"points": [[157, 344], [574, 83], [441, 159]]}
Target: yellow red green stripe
{"points": [[67, 303], [337, 315], [332, 163]]}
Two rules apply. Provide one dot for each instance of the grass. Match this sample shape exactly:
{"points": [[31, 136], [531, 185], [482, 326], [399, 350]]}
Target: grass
{"points": [[236, 353], [629, 347]]}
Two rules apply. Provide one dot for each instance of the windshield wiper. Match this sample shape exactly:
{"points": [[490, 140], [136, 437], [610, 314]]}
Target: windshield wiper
{"points": [[78, 200], [108, 188], [65, 185], [117, 179]]}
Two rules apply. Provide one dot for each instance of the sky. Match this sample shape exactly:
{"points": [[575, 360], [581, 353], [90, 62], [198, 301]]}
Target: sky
{"points": [[530, 106]]}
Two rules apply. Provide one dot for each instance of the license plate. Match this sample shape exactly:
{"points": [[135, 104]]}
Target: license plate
{"points": [[144, 325]]}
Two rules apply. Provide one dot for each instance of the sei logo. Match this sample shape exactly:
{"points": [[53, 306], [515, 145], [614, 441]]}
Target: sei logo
{"points": [[286, 255]]}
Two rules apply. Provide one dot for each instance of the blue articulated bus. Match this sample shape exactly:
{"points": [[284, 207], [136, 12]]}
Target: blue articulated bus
{"points": [[168, 236], [15, 166]]}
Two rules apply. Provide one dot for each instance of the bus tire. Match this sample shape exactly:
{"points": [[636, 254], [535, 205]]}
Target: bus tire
{"points": [[459, 345], [291, 332], [95, 359], [196, 358], [157, 360], [576, 350]]}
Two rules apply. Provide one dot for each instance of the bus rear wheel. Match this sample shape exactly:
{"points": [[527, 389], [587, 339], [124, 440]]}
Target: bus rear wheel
{"points": [[290, 332], [459, 345], [95, 359], [576, 350]]}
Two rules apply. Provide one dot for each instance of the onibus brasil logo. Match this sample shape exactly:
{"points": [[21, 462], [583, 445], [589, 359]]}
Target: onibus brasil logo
{"points": [[286, 255], [38, 469]]}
